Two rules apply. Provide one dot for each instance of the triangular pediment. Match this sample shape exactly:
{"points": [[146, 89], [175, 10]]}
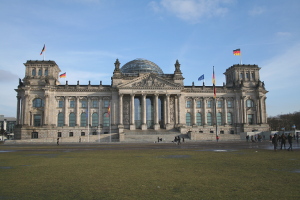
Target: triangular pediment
{"points": [[149, 81]]}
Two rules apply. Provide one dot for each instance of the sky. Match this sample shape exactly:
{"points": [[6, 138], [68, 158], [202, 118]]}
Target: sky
{"points": [[85, 37]]}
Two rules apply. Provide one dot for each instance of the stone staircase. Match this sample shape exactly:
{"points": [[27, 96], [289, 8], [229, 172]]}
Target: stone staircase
{"points": [[152, 135]]}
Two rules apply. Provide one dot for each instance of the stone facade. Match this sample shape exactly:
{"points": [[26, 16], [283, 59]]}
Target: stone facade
{"points": [[139, 101]]}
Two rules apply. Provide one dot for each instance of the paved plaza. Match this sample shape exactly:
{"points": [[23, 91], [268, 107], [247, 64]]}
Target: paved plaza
{"points": [[204, 146]]}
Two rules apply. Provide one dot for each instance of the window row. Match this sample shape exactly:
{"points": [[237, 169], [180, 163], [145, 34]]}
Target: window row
{"points": [[38, 102], [94, 121], [83, 103], [39, 72], [249, 104], [199, 121], [209, 104]]}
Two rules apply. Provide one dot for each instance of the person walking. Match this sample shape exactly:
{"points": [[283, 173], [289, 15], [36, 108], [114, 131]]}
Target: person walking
{"points": [[290, 140], [57, 141], [283, 139], [275, 141]]}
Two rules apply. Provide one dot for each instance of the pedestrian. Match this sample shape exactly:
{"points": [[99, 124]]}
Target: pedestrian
{"points": [[297, 137], [290, 140], [283, 139], [217, 137], [275, 141], [57, 141], [178, 140], [183, 139], [247, 138]]}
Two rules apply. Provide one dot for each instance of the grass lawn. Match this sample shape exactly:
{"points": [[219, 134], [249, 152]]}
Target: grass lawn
{"points": [[89, 173]]}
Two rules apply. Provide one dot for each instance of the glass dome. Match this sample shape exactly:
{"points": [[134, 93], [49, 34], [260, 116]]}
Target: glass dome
{"points": [[141, 66]]}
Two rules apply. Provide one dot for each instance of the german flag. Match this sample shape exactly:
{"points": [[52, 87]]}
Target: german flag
{"points": [[44, 49], [237, 52], [63, 75]]}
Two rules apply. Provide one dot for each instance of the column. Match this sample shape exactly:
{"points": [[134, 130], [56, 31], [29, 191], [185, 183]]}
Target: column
{"points": [[25, 116], [156, 125], [100, 111], [225, 111], [179, 111], [77, 123], [66, 111], [194, 112], [167, 108], [204, 111], [244, 111], [121, 109], [18, 109], [132, 122], [176, 110], [46, 109], [144, 119]]}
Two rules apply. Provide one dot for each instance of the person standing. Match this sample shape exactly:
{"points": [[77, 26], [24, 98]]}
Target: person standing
{"points": [[290, 140], [275, 141], [57, 141], [283, 139]]}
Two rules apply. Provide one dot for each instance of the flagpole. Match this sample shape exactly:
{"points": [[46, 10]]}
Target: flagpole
{"points": [[241, 57], [215, 102], [88, 121], [44, 56], [110, 120]]}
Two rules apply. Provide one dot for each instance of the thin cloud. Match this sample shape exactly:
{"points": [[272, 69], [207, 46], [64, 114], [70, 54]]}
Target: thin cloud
{"points": [[283, 34], [7, 77], [281, 71], [193, 10], [96, 53], [256, 11]]}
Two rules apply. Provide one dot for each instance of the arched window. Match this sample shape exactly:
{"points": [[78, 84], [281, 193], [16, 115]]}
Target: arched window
{"points": [[229, 118], [188, 119], [219, 118], [199, 119], [106, 120], [60, 119], [95, 119], [209, 119], [83, 117], [40, 72], [33, 73], [250, 103], [37, 103], [72, 120]]}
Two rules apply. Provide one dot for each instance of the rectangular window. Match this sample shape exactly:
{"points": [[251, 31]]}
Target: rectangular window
{"points": [[94, 133], [250, 119], [198, 104], [72, 104], [70, 134], [95, 104], [209, 104], [252, 76], [83, 103], [82, 133], [188, 104], [59, 134], [60, 104], [229, 104], [34, 135], [37, 120], [106, 103], [247, 75], [220, 104]]}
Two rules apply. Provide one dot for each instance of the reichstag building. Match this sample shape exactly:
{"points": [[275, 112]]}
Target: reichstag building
{"points": [[141, 103]]}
